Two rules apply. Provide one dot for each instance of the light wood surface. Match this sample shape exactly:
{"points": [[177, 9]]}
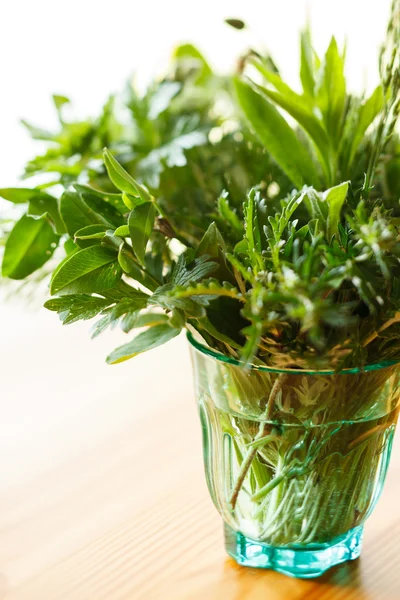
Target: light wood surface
{"points": [[102, 493]]}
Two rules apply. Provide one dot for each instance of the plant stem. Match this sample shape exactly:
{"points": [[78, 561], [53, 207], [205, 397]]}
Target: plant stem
{"points": [[263, 431]]}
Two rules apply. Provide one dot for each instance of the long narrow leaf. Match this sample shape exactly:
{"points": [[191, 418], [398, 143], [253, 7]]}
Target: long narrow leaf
{"points": [[277, 136]]}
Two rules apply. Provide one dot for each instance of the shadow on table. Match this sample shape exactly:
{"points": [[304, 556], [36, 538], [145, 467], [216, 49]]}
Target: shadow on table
{"points": [[355, 580]]}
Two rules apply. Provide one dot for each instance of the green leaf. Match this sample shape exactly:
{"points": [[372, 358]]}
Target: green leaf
{"points": [[307, 74], [37, 133], [212, 330], [368, 112], [147, 340], [122, 231], [187, 53], [76, 307], [149, 320], [125, 313], [335, 198], [196, 270], [104, 208], [82, 264], [91, 232], [29, 245], [211, 243], [76, 214], [43, 205], [140, 223], [331, 91], [40, 204], [317, 208], [239, 266], [301, 111], [162, 98], [70, 246], [207, 289], [277, 136], [114, 199], [253, 335], [229, 215], [122, 180], [171, 154], [60, 101], [19, 195]]}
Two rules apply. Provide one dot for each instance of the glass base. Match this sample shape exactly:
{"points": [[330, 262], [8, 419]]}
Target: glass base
{"points": [[303, 562]]}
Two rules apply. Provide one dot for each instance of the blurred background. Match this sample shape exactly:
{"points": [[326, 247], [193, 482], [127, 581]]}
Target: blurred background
{"points": [[55, 386]]}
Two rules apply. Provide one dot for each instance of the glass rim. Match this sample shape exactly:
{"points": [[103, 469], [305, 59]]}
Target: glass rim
{"points": [[207, 351]]}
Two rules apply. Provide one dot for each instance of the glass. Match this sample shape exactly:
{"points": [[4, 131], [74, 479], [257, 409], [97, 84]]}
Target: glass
{"points": [[295, 460]]}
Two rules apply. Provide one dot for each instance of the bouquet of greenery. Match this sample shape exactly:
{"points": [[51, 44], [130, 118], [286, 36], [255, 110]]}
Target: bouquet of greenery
{"points": [[264, 221], [276, 241]]}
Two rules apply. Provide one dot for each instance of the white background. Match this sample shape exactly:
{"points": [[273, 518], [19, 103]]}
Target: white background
{"points": [[86, 49]]}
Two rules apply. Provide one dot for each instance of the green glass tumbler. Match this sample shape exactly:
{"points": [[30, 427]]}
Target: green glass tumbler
{"points": [[295, 460]]}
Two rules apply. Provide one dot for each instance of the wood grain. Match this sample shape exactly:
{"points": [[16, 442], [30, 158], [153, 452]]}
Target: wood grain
{"points": [[102, 492]]}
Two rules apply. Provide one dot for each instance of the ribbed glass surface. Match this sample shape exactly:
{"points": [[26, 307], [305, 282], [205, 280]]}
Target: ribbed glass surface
{"points": [[294, 460]]}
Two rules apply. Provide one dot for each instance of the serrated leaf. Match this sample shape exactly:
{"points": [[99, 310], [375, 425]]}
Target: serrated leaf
{"points": [[76, 307], [147, 340], [207, 289], [29, 246], [140, 223], [124, 312], [196, 270]]}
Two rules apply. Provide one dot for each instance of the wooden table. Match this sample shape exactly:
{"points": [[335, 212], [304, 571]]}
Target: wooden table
{"points": [[102, 493]]}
